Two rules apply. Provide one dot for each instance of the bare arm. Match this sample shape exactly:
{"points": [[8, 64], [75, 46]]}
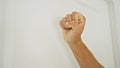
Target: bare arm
{"points": [[84, 56], [72, 26]]}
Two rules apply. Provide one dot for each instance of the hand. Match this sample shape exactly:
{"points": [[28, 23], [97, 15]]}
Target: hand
{"points": [[72, 26]]}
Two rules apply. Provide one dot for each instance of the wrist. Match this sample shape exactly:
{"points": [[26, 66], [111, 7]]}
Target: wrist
{"points": [[74, 42]]}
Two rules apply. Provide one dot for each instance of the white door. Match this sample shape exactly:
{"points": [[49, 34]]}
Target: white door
{"points": [[32, 36]]}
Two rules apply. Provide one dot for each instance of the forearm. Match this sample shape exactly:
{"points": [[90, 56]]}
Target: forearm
{"points": [[84, 56]]}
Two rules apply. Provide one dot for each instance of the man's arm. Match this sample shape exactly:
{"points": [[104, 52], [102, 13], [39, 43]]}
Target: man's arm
{"points": [[84, 56], [72, 26]]}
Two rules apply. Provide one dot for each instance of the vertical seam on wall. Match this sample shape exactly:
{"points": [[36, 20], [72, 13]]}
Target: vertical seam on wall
{"points": [[114, 33], [1, 33], [4, 21], [3, 27]]}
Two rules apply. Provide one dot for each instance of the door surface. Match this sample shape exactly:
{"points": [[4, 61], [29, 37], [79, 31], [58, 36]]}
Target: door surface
{"points": [[33, 39]]}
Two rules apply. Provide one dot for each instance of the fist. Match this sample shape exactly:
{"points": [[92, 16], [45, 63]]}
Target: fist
{"points": [[75, 16], [72, 26]]}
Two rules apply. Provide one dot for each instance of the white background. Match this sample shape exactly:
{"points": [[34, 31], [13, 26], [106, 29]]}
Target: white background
{"points": [[32, 36]]}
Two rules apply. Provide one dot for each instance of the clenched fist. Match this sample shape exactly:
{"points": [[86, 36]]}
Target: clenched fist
{"points": [[72, 26]]}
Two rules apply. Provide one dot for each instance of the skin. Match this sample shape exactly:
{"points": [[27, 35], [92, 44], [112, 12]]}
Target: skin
{"points": [[72, 26]]}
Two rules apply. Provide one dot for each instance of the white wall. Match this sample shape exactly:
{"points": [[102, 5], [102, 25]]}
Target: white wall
{"points": [[33, 38]]}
